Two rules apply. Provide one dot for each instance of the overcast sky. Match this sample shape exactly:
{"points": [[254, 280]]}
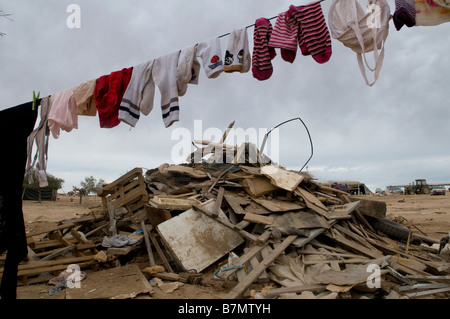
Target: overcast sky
{"points": [[391, 133]]}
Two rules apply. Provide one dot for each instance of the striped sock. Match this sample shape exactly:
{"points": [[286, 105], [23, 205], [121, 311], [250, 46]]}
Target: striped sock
{"points": [[262, 54], [284, 36], [313, 36]]}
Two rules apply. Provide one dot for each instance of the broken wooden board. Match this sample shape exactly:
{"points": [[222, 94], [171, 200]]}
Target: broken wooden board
{"points": [[183, 170], [196, 240], [242, 205], [157, 215], [173, 203], [258, 186], [373, 208], [260, 268], [258, 219], [117, 283], [282, 178], [300, 220], [312, 202], [278, 206]]}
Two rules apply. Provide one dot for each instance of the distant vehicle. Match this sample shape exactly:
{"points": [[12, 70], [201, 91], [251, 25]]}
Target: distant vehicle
{"points": [[438, 190]]}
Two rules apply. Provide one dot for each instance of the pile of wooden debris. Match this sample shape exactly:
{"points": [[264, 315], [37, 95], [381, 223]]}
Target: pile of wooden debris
{"points": [[245, 223]]}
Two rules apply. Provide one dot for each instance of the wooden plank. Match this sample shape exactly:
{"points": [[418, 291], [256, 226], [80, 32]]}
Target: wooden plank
{"points": [[312, 202], [363, 241], [428, 292], [278, 206], [429, 278], [296, 288], [160, 252], [282, 178], [245, 258], [354, 246], [235, 202], [256, 272], [225, 222], [172, 203], [43, 264], [58, 252], [198, 240], [148, 245], [44, 231], [421, 287], [38, 271], [124, 282], [259, 219], [124, 178], [218, 203], [258, 186], [156, 215]]}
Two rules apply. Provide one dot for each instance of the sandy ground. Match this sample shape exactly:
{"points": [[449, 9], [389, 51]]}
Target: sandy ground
{"points": [[429, 215]]}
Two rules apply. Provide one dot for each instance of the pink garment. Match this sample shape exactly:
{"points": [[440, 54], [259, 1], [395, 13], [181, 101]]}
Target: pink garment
{"points": [[285, 36], [63, 112]]}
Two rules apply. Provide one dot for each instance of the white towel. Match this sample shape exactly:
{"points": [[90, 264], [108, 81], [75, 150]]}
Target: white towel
{"points": [[131, 105], [210, 53], [237, 55], [165, 77]]}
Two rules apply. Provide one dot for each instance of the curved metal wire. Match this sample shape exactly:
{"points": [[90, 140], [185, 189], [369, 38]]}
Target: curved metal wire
{"points": [[309, 135]]}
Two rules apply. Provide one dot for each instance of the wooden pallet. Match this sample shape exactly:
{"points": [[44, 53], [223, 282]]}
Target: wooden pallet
{"points": [[128, 191]]}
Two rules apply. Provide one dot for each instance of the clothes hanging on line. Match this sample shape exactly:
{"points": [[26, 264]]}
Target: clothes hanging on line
{"points": [[349, 24], [285, 36], [40, 136], [84, 98], [188, 69], [133, 102], [313, 36], [404, 14], [237, 54], [16, 124], [123, 95], [108, 95], [304, 27], [210, 53], [263, 54], [165, 77], [63, 113], [432, 12]]}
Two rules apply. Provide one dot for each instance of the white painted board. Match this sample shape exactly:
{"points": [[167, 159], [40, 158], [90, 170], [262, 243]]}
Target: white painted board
{"points": [[196, 240]]}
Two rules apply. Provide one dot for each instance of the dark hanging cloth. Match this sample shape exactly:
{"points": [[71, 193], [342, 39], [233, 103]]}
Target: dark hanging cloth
{"points": [[16, 124]]}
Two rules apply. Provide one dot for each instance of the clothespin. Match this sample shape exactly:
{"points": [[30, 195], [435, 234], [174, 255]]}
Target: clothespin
{"points": [[35, 98]]}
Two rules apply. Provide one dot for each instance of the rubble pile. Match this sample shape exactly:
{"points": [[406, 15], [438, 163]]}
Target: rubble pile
{"points": [[247, 224]]}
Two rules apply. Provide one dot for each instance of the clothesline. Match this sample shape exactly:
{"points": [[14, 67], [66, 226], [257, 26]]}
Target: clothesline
{"points": [[252, 25]]}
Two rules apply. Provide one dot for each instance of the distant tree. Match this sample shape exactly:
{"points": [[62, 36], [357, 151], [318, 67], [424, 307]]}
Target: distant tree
{"points": [[79, 192], [91, 185]]}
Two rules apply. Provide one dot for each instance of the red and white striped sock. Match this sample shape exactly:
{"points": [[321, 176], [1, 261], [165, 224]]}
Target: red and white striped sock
{"points": [[263, 55]]}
